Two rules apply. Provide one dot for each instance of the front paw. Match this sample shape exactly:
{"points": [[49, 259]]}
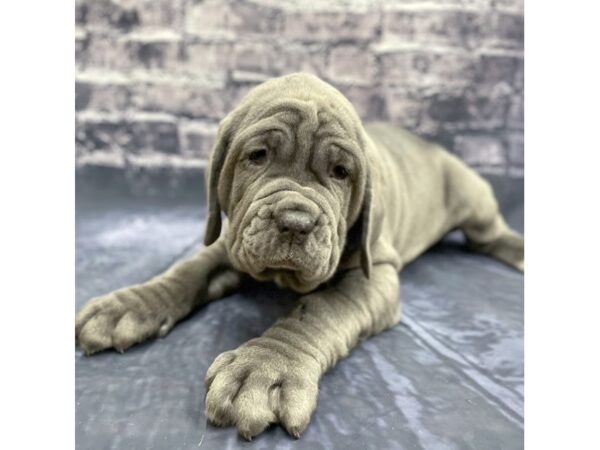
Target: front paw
{"points": [[256, 385], [119, 320]]}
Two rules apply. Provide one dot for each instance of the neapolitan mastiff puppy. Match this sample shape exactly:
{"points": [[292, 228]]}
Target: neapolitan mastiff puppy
{"points": [[322, 205]]}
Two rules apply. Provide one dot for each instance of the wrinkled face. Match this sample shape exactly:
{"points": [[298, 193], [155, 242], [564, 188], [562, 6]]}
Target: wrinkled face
{"points": [[294, 176]]}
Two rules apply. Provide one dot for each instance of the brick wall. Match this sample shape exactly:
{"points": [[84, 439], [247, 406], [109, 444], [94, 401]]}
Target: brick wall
{"points": [[153, 77]]}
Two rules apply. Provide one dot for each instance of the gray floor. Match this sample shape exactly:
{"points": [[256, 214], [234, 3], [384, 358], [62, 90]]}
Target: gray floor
{"points": [[449, 376]]}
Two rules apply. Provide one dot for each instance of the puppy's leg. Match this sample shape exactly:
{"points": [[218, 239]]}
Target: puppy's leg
{"points": [[474, 209], [134, 313], [274, 378]]}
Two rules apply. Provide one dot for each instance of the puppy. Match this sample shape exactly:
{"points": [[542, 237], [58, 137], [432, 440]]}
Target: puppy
{"points": [[317, 203]]}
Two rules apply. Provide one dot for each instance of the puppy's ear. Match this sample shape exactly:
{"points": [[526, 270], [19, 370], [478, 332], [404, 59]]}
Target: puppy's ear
{"points": [[366, 228], [217, 159]]}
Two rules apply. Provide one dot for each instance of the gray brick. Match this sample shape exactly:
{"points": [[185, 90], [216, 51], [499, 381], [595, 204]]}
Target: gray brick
{"points": [[515, 145], [353, 6], [104, 12], [134, 135], [403, 108], [240, 77], [503, 31], [463, 29], [181, 98], [447, 110], [126, 16], [197, 138], [253, 18], [415, 67], [488, 110], [449, 28], [258, 57], [112, 96], [368, 104], [100, 135], [81, 12], [155, 53], [516, 113], [462, 110], [516, 6], [483, 151], [160, 136], [81, 44], [352, 64], [207, 59], [229, 18], [491, 70], [391, 5], [208, 18], [305, 58], [161, 13], [310, 26], [275, 59], [102, 50], [519, 78]]}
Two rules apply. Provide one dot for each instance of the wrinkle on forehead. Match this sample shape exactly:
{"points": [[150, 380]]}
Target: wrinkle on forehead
{"points": [[310, 123], [301, 116], [308, 118], [327, 102], [307, 111]]}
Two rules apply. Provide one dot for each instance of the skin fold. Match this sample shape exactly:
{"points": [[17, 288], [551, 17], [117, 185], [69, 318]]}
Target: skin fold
{"points": [[317, 203]]}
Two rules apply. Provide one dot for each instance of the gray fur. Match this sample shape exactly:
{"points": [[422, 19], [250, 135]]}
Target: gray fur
{"points": [[294, 218]]}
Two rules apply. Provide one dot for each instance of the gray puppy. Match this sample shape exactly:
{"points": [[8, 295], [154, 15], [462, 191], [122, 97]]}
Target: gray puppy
{"points": [[322, 205]]}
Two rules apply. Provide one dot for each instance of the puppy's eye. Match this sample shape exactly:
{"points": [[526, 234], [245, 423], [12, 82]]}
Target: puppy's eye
{"points": [[258, 157], [339, 172]]}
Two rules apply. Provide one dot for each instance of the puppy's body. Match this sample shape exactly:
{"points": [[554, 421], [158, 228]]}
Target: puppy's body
{"points": [[428, 192], [320, 204]]}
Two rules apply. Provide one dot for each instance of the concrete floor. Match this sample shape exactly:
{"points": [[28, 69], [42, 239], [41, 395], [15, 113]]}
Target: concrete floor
{"points": [[449, 376]]}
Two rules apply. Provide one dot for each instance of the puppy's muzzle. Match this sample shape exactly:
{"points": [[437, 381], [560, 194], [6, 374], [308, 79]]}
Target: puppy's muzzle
{"points": [[295, 224]]}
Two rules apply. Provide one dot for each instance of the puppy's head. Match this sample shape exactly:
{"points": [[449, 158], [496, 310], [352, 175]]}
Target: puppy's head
{"points": [[289, 169]]}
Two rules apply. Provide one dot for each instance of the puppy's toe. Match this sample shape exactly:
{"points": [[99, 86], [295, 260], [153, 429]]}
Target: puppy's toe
{"points": [[131, 329], [96, 334], [520, 266], [220, 396], [220, 362], [298, 401], [253, 412]]}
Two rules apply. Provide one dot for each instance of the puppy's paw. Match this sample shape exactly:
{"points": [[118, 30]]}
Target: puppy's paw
{"points": [[256, 385], [508, 248], [119, 320]]}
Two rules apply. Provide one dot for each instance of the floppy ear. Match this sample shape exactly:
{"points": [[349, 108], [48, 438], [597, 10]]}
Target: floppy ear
{"points": [[217, 159], [366, 225]]}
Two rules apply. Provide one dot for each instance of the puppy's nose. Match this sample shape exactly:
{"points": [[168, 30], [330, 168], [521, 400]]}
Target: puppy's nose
{"points": [[295, 222]]}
